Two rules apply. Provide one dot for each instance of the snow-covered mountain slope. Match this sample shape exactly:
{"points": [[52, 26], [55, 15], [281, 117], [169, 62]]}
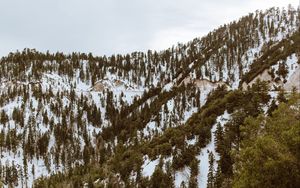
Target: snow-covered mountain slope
{"points": [[133, 119]]}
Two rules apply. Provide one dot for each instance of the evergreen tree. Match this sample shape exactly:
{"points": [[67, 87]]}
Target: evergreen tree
{"points": [[218, 178], [268, 157], [219, 138], [210, 175], [281, 96]]}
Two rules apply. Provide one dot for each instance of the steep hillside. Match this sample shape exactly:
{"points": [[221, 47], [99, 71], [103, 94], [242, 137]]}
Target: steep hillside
{"points": [[154, 119]]}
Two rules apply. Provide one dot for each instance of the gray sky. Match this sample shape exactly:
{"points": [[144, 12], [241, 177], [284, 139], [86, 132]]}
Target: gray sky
{"points": [[115, 26]]}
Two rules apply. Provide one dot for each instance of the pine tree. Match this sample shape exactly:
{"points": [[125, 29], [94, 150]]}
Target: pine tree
{"points": [[283, 70], [272, 107], [3, 117], [281, 96], [218, 178], [210, 175], [219, 134], [194, 167]]}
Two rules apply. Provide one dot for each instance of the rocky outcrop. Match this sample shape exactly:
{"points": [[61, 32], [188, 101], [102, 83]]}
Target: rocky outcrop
{"points": [[293, 81]]}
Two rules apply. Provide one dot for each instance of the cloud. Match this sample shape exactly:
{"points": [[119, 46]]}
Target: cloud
{"points": [[115, 26]]}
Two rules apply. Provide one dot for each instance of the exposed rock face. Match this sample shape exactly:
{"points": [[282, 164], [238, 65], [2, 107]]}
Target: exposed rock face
{"points": [[118, 83], [265, 76], [106, 84], [202, 83], [98, 87], [293, 81], [205, 84]]}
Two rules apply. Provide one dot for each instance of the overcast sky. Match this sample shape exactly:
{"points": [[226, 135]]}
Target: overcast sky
{"points": [[115, 26]]}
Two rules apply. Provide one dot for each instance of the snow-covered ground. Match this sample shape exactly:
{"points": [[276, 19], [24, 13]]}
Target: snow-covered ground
{"points": [[203, 157], [149, 166], [36, 167], [182, 176]]}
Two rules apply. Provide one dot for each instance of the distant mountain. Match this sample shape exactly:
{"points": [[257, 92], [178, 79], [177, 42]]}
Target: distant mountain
{"points": [[220, 111]]}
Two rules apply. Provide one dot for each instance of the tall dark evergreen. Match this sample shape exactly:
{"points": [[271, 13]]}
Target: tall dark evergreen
{"points": [[210, 175]]}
